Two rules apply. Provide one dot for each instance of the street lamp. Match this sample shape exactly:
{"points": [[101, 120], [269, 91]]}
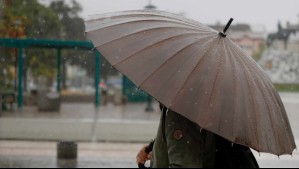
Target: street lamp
{"points": [[150, 6], [149, 107]]}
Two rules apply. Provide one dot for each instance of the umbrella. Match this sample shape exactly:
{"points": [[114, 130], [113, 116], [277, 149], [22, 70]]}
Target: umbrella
{"points": [[197, 72]]}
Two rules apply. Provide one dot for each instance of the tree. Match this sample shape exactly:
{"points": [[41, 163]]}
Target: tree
{"points": [[59, 20], [72, 25], [30, 19], [73, 29]]}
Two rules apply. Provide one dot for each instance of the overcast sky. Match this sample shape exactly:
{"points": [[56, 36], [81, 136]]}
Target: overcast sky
{"points": [[255, 12]]}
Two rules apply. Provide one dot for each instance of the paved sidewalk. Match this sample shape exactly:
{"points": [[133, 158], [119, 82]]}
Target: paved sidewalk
{"points": [[85, 111], [14, 154], [19, 154]]}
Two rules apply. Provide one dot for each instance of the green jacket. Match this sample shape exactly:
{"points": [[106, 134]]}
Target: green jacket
{"points": [[181, 143]]}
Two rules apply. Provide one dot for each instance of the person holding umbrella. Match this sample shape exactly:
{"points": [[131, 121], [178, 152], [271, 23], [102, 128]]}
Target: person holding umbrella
{"points": [[210, 88], [182, 143]]}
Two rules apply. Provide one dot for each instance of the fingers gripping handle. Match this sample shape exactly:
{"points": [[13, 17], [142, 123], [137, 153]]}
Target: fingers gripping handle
{"points": [[148, 150]]}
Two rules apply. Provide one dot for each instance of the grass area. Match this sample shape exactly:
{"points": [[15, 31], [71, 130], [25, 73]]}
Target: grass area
{"points": [[287, 87]]}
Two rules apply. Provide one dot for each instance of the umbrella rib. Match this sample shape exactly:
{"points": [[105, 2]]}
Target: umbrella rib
{"points": [[252, 100], [156, 43], [278, 108], [145, 16], [285, 120], [150, 13], [268, 108], [277, 105], [260, 70], [233, 63], [189, 76], [260, 75], [149, 20], [277, 140], [152, 29], [171, 58], [214, 84]]}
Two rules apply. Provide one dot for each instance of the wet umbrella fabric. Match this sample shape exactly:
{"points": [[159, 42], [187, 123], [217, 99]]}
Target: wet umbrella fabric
{"points": [[197, 72]]}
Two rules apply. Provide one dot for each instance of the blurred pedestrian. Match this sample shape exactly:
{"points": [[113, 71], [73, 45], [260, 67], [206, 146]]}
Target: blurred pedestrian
{"points": [[181, 143]]}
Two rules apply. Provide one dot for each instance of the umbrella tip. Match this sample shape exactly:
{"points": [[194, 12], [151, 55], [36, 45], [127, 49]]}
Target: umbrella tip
{"points": [[223, 34]]}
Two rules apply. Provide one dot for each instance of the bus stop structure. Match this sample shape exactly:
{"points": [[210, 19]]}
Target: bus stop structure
{"points": [[21, 44]]}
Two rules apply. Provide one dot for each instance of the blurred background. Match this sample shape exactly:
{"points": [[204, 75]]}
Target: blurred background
{"points": [[60, 99]]}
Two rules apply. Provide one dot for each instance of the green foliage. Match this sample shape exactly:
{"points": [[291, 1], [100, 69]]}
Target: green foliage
{"points": [[72, 25], [257, 56], [41, 22], [60, 20], [287, 87]]}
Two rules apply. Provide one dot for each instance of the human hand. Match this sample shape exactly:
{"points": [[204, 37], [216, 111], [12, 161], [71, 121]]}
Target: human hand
{"points": [[142, 156]]}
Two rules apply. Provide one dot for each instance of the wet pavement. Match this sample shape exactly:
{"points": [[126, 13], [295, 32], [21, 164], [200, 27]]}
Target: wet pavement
{"points": [[28, 154], [20, 154], [85, 111]]}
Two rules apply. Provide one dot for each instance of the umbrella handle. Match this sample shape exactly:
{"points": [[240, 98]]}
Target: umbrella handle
{"points": [[148, 149], [141, 166]]}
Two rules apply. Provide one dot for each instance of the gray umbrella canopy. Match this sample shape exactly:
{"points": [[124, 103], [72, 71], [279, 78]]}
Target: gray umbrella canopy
{"points": [[197, 72]]}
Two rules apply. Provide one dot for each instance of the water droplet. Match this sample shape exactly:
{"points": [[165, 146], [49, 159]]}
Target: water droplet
{"points": [[200, 130], [191, 89], [211, 105], [188, 142]]}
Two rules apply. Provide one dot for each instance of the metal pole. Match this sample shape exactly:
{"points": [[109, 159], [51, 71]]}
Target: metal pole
{"points": [[58, 70], [97, 96], [124, 85], [97, 79], [20, 76]]}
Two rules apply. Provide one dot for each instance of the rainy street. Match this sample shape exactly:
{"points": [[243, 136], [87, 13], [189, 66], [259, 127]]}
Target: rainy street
{"points": [[28, 154], [88, 83]]}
